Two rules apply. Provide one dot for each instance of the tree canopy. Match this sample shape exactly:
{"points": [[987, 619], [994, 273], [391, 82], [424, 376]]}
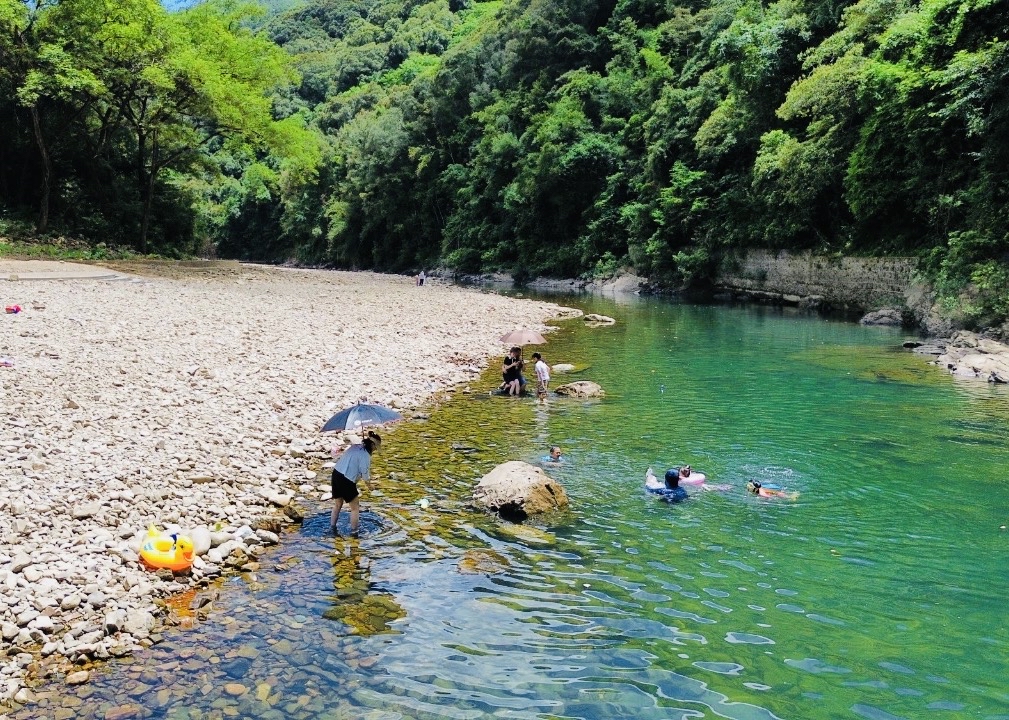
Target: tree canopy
{"points": [[556, 137]]}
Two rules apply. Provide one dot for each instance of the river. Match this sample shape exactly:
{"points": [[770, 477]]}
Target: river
{"points": [[879, 592]]}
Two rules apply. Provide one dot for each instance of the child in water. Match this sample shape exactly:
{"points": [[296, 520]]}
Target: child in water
{"points": [[757, 489]]}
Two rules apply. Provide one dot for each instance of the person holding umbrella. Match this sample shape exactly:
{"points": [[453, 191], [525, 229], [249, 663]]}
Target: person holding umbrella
{"points": [[353, 464]]}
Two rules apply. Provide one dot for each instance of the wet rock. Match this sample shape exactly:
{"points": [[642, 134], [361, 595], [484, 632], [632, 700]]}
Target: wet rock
{"points": [[271, 524], [235, 689], [517, 489], [124, 712], [268, 537], [294, 513], [596, 319], [78, 678], [581, 389], [483, 562]]}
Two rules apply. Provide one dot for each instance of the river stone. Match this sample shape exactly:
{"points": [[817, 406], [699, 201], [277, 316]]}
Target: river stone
{"points": [[483, 562], [202, 540], [138, 623], [114, 621], [891, 317], [78, 678], [235, 689], [124, 712], [581, 389], [85, 511], [517, 489], [596, 319], [563, 368]]}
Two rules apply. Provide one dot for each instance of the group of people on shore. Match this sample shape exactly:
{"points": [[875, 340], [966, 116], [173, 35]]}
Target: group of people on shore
{"points": [[354, 463], [513, 381]]}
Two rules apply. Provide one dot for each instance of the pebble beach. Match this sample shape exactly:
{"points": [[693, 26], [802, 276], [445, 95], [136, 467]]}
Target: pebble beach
{"points": [[191, 400]]}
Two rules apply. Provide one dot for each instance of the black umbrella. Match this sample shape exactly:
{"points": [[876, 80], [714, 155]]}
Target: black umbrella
{"points": [[357, 416]]}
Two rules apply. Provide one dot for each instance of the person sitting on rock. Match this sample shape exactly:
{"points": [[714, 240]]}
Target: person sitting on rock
{"points": [[511, 372]]}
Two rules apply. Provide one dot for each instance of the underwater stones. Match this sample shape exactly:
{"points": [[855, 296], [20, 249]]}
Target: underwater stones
{"points": [[124, 712], [483, 562], [595, 320], [517, 489], [235, 689], [581, 389], [563, 368]]}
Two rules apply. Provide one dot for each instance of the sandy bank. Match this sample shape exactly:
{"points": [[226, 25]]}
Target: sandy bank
{"points": [[195, 401]]}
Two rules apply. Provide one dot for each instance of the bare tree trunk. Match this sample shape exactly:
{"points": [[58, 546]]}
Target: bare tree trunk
{"points": [[47, 171], [147, 193]]}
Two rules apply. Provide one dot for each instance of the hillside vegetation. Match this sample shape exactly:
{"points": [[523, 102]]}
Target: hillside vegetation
{"points": [[560, 138]]}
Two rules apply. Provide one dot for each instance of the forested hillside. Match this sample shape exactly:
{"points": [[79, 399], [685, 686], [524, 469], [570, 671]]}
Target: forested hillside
{"points": [[560, 138]]}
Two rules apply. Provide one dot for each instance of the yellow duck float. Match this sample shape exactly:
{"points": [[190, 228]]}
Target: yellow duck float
{"points": [[175, 552]]}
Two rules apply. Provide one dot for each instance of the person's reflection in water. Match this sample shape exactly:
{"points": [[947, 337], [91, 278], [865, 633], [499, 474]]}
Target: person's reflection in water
{"points": [[355, 602]]}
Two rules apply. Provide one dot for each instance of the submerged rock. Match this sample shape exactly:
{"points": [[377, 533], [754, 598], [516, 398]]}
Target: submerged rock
{"points": [[517, 489], [595, 319], [483, 562], [581, 389]]}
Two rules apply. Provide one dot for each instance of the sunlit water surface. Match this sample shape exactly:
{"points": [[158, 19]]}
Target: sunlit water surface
{"points": [[879, 593]]}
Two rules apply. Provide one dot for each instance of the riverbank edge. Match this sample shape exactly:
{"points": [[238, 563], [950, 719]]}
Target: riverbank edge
{"points": [[873, 291], [285, 508]]}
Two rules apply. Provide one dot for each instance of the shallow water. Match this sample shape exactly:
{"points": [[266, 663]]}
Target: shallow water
{"points": [[878, 593]]}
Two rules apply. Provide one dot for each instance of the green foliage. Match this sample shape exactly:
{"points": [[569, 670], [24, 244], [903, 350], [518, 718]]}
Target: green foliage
{"points": [[561, 137]]}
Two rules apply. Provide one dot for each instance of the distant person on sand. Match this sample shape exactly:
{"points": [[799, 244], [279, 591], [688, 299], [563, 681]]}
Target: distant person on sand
{"points": [[511, 371], [353, 464], [421, 278], [542, 377]]}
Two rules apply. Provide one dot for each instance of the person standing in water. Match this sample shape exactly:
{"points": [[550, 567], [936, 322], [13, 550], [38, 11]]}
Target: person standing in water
{"points": [[352, 465], [542, 377]]}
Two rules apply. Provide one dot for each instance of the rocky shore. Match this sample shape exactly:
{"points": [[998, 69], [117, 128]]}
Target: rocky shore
{"points": [[192, 403], [968, 355]]}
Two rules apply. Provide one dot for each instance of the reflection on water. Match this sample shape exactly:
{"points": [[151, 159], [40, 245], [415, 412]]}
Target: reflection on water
{"points": [[877, 593]]}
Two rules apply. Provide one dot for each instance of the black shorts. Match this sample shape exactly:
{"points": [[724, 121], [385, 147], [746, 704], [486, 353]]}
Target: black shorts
{"points": [[342, 487]]}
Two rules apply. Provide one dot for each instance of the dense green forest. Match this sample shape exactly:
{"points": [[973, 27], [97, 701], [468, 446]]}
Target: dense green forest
{"points": [[544, 137]]}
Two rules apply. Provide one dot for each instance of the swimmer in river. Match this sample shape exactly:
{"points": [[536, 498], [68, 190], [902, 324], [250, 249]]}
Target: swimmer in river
{"points": [[669, 489], [756, 488]]}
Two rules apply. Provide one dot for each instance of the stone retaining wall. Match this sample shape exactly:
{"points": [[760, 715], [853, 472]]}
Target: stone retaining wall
{"points": [[852, 283]]}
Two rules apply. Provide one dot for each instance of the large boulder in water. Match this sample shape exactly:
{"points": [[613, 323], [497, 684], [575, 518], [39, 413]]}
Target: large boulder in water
{"points": [[581, 389], [517, 489]]}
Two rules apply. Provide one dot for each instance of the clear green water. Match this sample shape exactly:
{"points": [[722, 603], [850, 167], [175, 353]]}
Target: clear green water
{"points": [[879, 593]]}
